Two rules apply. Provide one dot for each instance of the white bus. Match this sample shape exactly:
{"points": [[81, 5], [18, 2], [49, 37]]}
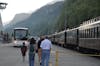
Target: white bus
{"points": [[20, 35]]}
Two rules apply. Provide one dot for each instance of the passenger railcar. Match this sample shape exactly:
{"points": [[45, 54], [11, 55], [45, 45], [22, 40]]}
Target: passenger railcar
{"points": [[58, 38], [72, 38], [85, 38], [66, 38], [89, 37]]}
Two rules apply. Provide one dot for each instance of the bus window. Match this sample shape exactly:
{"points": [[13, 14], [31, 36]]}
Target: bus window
{"points": [[20, 34]]}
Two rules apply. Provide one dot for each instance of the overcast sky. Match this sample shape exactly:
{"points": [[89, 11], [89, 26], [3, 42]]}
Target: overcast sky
{"points": [[21, 6]]}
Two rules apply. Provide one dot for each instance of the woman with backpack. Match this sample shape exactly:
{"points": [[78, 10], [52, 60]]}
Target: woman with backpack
{"points": [[32, 49]]}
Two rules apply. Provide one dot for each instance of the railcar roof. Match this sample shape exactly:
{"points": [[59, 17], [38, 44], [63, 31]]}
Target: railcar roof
{"points": [[20, 28], [94, 24], [72, 29]]}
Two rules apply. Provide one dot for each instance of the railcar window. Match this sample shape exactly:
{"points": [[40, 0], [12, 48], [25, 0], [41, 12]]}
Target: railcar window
{"points": [[53, 39], [72, 33], [81, 34], [98, 32], [68, 34], [95, 32], [84, 33], [75, 33], [62, 36], [88, 36], [93, 35], [58, 37], [88, 33]]}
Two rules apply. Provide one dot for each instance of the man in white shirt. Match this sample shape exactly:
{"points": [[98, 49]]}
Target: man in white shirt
{"points": [[46, 47]]}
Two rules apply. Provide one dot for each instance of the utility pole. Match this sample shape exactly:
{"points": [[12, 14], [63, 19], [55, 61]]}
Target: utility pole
{"points": [[65, 26], [2, 6]]}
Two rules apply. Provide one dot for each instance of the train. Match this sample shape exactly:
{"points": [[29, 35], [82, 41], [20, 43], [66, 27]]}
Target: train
{"points": [[85, 38]]}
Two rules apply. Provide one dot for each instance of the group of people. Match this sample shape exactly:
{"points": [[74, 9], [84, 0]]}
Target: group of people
{"points": [[42, 47]]}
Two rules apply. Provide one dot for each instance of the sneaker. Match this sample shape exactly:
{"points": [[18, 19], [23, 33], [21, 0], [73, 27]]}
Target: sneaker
{"points": [[40, 63]]}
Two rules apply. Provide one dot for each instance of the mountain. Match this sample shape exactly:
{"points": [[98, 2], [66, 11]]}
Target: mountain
{"points": [[18, 17], [77, 11], [42, 21]]}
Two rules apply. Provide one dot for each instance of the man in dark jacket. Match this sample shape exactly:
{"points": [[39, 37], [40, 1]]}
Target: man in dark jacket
{"points": [[39, 48]]}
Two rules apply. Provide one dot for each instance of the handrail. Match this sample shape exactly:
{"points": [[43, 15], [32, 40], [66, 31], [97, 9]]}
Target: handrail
{"points": [[90, 21]]}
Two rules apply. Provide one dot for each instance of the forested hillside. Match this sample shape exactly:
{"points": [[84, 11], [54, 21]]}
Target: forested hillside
{"points": [[41, 22], [77, 11]]}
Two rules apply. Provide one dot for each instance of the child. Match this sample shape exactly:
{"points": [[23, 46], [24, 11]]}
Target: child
{"points": [[23, 51]]}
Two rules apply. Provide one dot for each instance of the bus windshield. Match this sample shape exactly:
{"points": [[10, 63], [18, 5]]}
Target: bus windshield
{"points": [[20, 34]]}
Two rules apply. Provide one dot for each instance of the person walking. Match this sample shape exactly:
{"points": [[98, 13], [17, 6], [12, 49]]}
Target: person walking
{"points": [[23, 51], [39, 48], [32, 51], [46, 48]]}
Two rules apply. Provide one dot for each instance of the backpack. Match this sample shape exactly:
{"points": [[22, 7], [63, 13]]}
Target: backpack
{"points": [[31, 48], [23, 49]]}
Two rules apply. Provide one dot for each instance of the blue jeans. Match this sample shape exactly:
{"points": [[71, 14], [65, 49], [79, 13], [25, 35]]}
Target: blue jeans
{"points": [[45, 57], [31, 59]]}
